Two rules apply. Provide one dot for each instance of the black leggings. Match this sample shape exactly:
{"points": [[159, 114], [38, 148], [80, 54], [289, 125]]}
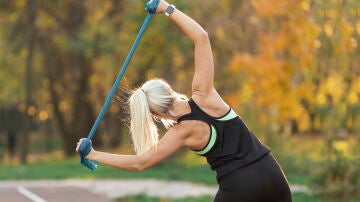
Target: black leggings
{"points": [[260, 181]]}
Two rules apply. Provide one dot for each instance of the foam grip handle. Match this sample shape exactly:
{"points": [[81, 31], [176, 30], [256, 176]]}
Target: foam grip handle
{"points": [[92, 165], [151, 6], [84, 150]]}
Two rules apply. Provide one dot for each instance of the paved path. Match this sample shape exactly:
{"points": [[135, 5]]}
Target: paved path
{"points": [[51, 193], [103, 190]]}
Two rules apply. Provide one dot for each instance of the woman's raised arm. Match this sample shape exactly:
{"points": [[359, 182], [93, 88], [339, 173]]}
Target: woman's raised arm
{"points": [[204, 66]]}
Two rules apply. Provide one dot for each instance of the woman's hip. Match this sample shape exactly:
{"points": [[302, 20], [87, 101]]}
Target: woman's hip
{"points": [[263, 180]]}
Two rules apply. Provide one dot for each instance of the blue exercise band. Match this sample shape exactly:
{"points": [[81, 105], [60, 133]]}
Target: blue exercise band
{"points": [[85, 147]]}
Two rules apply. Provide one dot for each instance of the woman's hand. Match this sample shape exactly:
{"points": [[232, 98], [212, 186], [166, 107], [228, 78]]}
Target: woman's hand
{"points": [[90, 154]]}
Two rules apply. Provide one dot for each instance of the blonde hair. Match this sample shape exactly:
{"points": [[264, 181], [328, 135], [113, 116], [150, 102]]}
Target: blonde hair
{"points": [[151, 101]]}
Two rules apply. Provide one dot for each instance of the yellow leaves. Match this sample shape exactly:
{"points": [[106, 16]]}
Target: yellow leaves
{"points": [[58, 88], [286, 75], [356, 86], [151, 74], [358, 27], [342, 146], [305, 5], [300, 35], [346, 28], [295, 33], [352, 98], [339, 27], [321, 99], [354, 93], [64, 106], [97, 9], [344, 41], [317, 44], [11, 17], [31, 111], [282, 42], [220, 34], [20, 3], [243, 61], [328, 29], [303, 121], [306, 91], [353, 43], [267, 85], [334, 87], [247, 92], [331, 13], [95, 79], [43, 115], [178, 58], [190, 159], [272, 7], [291, 109]]}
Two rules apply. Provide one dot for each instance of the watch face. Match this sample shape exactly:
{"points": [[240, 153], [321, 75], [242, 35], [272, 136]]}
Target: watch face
{"points": [[169, 10]]}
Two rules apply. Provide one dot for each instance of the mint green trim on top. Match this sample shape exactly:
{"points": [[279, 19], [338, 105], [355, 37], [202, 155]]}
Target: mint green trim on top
{"points": [[232, 114], [211, 142]]}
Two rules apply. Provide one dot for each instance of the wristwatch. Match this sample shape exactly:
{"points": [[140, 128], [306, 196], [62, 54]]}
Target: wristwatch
{"points": [[169, 10]]}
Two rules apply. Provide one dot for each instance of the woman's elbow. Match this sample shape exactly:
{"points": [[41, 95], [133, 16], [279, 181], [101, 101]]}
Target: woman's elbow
{"points": [[142, 164], [203, 36], [140, 168]]}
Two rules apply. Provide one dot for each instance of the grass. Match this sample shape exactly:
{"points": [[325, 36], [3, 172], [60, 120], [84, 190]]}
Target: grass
{"points": [[71, 168]]}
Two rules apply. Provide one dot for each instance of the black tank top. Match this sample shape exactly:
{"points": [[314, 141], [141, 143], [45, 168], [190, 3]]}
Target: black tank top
{"points": [[231, 144]]}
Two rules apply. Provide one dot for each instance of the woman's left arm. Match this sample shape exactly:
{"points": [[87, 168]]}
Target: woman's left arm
{"points": [[173, 140]]}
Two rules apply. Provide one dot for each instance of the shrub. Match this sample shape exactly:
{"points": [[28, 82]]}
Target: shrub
{"points": [[339, 178]]}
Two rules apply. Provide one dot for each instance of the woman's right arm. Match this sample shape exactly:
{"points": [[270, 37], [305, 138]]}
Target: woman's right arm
{"points": [[202, 83], [175, 138]]}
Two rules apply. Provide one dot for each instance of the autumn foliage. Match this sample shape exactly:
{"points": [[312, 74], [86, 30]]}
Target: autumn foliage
{"points": [[286, 66], [304, 73]]}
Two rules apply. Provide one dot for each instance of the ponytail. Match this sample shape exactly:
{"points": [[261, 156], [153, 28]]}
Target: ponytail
{"points": [[142, 127]]}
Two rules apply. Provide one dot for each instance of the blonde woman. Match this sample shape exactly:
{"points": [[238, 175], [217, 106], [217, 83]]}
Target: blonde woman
{"points": [[205, 124]]}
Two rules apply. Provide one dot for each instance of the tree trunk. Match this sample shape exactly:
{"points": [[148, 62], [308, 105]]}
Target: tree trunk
{"points": [[30, 37]]}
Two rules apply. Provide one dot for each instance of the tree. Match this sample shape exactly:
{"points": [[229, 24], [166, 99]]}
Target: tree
{"points": [[295, 73], [30, 41], [70, 47]]}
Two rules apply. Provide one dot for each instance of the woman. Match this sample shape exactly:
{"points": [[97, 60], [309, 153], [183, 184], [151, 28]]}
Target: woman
{"points": [[246, 171]]}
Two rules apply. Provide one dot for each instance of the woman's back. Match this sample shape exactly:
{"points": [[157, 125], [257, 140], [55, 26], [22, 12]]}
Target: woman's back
{"points": [[228, 144]]}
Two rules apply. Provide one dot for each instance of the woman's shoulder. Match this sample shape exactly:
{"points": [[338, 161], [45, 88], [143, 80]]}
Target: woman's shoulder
{"points": [[212, 104]]}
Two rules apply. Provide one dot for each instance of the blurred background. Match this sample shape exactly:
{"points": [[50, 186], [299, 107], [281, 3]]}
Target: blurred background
{"points": [[290, 68]]}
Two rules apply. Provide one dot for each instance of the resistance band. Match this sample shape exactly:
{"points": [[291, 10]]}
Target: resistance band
{"points": [[85, 146]]}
